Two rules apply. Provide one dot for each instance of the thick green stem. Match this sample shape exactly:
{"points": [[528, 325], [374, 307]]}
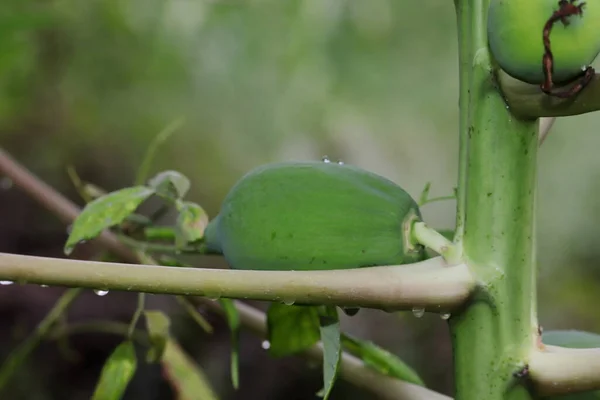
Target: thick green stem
{"points": [[492, 338]]}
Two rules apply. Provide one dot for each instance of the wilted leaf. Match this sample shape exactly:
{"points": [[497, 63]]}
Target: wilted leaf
{"points": [[105, 212], [380, 359], [170, 184], [332, 347], [186, 378], [116, 373], [191, 223], [292, 329], [233, 319], [158, 324]]}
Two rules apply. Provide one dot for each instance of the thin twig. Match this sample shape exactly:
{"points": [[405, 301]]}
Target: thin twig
{"points": [[18, 356]]}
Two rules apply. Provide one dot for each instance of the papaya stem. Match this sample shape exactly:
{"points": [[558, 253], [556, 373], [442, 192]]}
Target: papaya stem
{"points": [[437, 242], [558, 370]]}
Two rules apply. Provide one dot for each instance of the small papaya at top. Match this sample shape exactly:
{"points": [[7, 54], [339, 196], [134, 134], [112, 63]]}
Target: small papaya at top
{"points": [[314, 216], [515, 29]]}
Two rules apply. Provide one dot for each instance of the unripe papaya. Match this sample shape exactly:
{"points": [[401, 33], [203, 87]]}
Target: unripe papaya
{"points": [[574, 340], [515, 29], [314, 216]]}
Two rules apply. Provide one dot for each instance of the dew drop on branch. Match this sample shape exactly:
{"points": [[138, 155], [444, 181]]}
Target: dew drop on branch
{"points": [[6, 283], [418, 312], [288, 302], [445, 316], [100, 292], [326, 159], [266, 345]]}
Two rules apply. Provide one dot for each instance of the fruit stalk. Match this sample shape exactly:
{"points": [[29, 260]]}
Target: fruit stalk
{"points": [[493, 336]]}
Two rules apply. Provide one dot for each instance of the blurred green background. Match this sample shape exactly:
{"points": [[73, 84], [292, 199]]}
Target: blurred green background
{"points": [[372, 83]]}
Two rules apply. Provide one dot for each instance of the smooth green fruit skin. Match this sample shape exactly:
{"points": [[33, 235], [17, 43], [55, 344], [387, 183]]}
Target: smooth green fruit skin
{"points": [[515, 30], [314, 216], [574, 340]]}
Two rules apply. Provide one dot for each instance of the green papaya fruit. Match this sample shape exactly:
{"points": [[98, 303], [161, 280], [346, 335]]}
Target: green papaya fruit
{"points": [[314, 216], [515, 29], [574, 340]]}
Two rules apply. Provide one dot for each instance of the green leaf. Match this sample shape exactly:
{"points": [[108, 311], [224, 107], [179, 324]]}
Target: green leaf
{"points": [[292, 329], [191, 223], [170, 184], [105, 212], [185, 376], [158, 324], [116, 373], [332, 347], [233, 319], [380, 359]]}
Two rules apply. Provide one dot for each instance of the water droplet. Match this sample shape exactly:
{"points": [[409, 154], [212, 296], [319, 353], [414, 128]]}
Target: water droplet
{"points": [[266, 345], [445, 316], [288, 302], [5, 183], [418, 311], [326, 159], [100, 292], [213, 296], [43, 285], [6, 283], [340, 162]]}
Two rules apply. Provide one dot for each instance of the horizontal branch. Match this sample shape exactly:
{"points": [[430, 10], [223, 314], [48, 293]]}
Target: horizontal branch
{"points": [[558, 370], [528, 101], [428, 284], [352, 369]]}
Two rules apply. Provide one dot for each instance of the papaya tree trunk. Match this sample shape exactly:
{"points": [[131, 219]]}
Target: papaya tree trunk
{"points": [[495, 225]]}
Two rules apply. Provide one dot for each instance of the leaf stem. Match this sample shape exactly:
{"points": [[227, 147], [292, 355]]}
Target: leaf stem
{"points": [[18, 356], [431, 283], [558, 370], [437, 242], [162, 136], [141, 304]]}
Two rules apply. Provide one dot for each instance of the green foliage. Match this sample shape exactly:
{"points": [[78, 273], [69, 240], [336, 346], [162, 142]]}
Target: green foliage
{"points": [[186, 378], [380, 359], [233, 319], [116, 373], [292, 329], [157, 324], [315, 216], [332, 347], [170, 184], [105, 212], [191, 223]]}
